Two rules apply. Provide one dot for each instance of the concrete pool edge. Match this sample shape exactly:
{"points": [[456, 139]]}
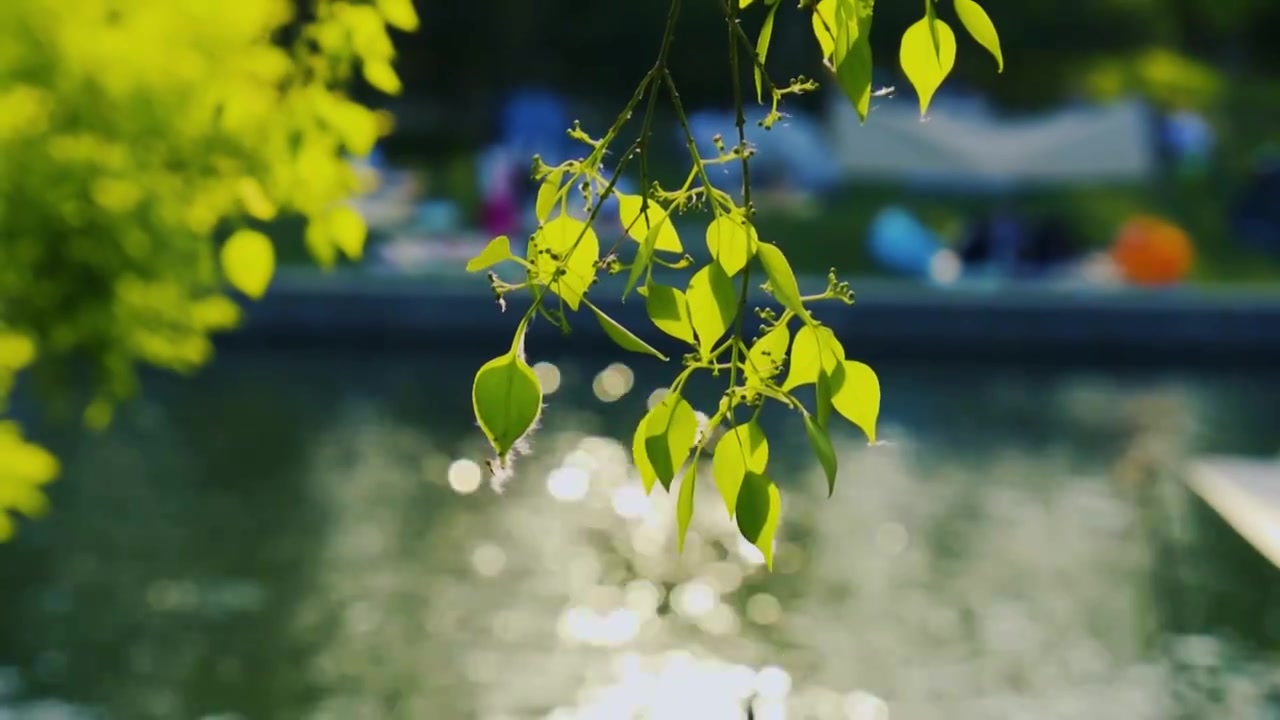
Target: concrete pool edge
{"points": [[1162, 327], [1246, 493]]}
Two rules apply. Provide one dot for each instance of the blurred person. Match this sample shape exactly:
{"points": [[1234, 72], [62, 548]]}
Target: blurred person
{"points": [[1005, 244], [993, 242], [1256, 215], [1053, 243], [499, 189], [1189, 141]]}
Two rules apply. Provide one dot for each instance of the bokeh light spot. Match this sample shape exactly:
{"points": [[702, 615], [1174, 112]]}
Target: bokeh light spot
{"points": [[465, 476]]}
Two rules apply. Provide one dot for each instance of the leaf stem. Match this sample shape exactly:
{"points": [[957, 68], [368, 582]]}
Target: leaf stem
{"points": [[731, 18]]}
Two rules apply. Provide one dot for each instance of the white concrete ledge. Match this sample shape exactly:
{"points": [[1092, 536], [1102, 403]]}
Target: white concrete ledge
{"points": [[1246, 493]]}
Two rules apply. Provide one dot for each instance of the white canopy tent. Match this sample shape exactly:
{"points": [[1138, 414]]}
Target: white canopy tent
{"points": [[973, 149]]}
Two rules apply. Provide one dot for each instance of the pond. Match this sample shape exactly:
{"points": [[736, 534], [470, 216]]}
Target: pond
{"points": [[309, 535]]}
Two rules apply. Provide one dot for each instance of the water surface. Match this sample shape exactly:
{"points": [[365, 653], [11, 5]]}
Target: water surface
{"points": [[308, 536]]}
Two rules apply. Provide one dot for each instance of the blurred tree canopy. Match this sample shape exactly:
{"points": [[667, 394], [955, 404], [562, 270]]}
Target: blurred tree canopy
{"points": [[135, 133], [596, 50]]}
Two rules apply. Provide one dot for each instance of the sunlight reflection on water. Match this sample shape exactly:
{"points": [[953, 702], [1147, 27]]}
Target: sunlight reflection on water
{"points": [[1035, 620], [1012, 586]]}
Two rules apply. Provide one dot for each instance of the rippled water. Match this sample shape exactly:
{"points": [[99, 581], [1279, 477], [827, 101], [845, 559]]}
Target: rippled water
{"points": [[293, 538]]}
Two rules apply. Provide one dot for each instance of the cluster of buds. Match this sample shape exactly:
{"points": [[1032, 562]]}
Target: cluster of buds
{"points": [[838, 289], [768, 316]]}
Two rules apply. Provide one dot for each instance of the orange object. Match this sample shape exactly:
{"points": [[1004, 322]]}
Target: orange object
{"points": [[1151, 251]]}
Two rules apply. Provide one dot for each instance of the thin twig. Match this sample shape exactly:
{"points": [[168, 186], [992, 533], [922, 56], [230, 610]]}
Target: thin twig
{"points": [[730, 9], [731, 17]]}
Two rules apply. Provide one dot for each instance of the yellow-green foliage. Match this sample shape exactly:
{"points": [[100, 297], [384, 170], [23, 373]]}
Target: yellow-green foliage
{"points": [[133, 131], [23, 467]]}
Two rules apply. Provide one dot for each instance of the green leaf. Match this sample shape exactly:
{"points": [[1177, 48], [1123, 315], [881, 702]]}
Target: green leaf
{"points": [[782, 280], [319, 242], [668, 308], [980, 27], [367, 31], [824, 23], [382, 77], [820, 441], [713, 303], [684, 505], [829, 379], [348, 229], [931, 18], [622, 336], [655, 218], [925, 68], [846, 28], [399, 14], [814, 347], [852, 54], [671, 428], [507, 399], [732, 242], [559, 238], [767, 354], [248, 262], [548, 194], [640, 456], [254, 198], [742, 450], [357, 125], [17, 351], [496, 251], [762, 50], [759, 509], [644, 255], [857, 397]]}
